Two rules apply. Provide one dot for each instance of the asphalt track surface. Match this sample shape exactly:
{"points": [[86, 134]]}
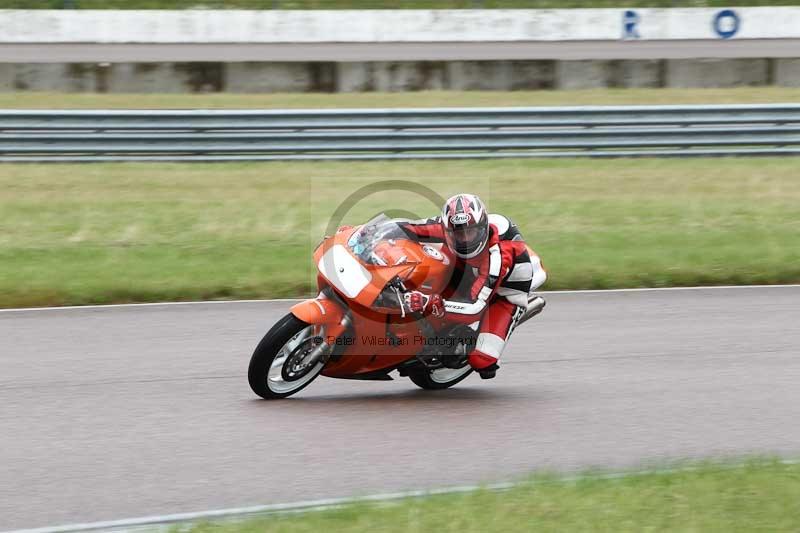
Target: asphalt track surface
{"points": [[109, 413], [444, 51]]}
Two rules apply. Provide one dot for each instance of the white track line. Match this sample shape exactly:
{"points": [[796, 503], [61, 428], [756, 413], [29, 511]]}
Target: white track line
{"points": [[150, 304], [216, 302], [238, 513], [660, 289], [243, 512]]}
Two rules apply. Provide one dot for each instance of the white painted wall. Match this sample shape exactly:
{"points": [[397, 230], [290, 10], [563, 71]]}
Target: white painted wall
{"points": [[207, 26]]}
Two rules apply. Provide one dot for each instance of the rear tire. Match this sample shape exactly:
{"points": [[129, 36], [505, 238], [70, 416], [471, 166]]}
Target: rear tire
{"points": [[265, 374], [441, 378], [444, 378]]}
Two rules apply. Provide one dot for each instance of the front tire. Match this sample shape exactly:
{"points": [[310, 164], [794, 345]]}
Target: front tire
{"points": [[269, 374]]}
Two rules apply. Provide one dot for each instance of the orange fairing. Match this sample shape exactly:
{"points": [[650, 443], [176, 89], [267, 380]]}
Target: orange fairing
{"points": [[421, 267], [364, 318], [318, 311], [321, 311]]}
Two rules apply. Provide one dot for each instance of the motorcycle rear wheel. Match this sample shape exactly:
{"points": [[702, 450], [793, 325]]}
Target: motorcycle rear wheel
{"points": [[444, 378], [267, 376], [441, 378]]}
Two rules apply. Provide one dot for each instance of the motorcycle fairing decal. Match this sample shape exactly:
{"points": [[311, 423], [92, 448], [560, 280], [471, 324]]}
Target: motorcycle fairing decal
{"points": [[344, 271], [433, 252]]}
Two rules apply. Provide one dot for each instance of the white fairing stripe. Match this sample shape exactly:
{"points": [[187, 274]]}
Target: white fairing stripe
{"points": [[495, 261], [344, 271], [485, 293], [539, 275], [490, 344]]}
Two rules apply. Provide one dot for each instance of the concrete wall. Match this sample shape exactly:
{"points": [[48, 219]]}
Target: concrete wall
{"points": [[396, 76], [278, 26], [717, 72], [787, 72], [105, 27]]}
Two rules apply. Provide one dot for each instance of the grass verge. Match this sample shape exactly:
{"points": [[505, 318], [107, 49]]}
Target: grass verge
{"points": [[742, 95], [760, 496], [133, 232]]}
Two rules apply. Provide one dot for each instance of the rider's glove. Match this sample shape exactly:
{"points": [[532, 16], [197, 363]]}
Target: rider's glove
{"points": [[418, 302]]}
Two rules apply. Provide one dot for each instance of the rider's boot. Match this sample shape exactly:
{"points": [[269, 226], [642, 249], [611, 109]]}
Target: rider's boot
{"points": [[489, 372], [483, 364]]}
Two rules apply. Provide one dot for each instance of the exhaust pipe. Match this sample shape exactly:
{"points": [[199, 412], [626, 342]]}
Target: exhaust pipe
{"points": [[535, 306]]}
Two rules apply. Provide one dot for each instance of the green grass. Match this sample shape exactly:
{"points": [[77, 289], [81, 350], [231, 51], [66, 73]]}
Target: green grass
{"points": [[760, 496], [80, 234], [741, 95], [375, 4]]}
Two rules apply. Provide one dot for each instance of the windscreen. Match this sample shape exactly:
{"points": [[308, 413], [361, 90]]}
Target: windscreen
{"points": [[374, 243]]}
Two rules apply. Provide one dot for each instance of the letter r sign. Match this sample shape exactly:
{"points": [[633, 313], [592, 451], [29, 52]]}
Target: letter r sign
{"points": [[630, 19]]}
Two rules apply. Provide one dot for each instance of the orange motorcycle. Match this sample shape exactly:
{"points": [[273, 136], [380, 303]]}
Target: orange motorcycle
{"points": [[358, 326]]}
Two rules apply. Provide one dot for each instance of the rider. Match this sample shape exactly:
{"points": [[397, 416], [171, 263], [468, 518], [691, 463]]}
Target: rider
{"points": [[496, 274]]}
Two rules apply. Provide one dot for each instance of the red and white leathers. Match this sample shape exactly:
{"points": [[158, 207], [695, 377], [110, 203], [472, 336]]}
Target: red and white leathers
{"points": [[494, 285]]}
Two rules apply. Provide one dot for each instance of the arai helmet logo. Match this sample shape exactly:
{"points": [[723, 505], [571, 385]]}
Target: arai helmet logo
{"points": [[460, 218]]}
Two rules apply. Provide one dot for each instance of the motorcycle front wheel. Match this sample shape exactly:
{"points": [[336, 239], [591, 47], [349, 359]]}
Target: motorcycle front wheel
{"points": [[286, 360]]}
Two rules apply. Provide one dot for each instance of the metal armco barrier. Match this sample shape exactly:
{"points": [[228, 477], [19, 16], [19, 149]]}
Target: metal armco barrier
{"points": [[142, 135]]}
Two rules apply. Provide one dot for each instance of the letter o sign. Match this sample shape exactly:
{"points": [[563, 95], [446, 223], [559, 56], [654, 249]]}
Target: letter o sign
{"points": [[726, 23]]}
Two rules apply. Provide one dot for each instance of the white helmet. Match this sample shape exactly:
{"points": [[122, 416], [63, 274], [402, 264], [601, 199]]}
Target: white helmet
{"points": [[466, 225]]}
